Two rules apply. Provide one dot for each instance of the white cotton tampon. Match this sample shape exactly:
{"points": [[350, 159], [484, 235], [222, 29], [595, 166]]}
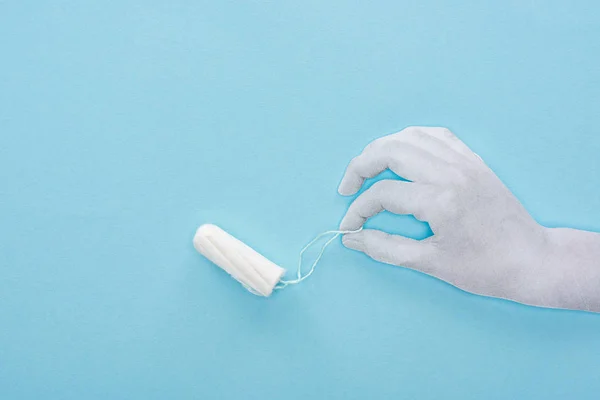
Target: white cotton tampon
{"points": [[246, 265]]}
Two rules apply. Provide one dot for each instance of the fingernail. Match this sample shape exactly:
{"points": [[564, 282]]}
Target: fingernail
{"points": [[343, 191], [349, 242]]}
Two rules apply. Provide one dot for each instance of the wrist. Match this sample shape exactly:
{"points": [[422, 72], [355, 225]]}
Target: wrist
{"points": [[536, 258], [568, 274]]}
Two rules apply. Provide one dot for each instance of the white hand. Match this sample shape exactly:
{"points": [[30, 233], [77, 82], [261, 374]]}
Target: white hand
{"points": [[484, 240]]}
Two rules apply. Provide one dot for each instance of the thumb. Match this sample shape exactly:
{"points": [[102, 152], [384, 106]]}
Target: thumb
{"points": [[392, 249]]}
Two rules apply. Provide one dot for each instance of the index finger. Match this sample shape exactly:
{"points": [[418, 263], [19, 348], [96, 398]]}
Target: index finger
{"points": [[404, 159]]}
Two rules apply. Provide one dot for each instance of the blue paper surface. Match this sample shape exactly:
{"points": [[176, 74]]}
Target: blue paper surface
{"points": [[126, 124]]}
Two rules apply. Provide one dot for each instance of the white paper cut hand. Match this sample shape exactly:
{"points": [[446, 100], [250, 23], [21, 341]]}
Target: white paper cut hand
{"points": [[484, 240]]}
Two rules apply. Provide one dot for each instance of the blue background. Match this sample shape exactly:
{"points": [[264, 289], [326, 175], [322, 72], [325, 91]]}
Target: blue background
{"points": [[124, 125]]}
